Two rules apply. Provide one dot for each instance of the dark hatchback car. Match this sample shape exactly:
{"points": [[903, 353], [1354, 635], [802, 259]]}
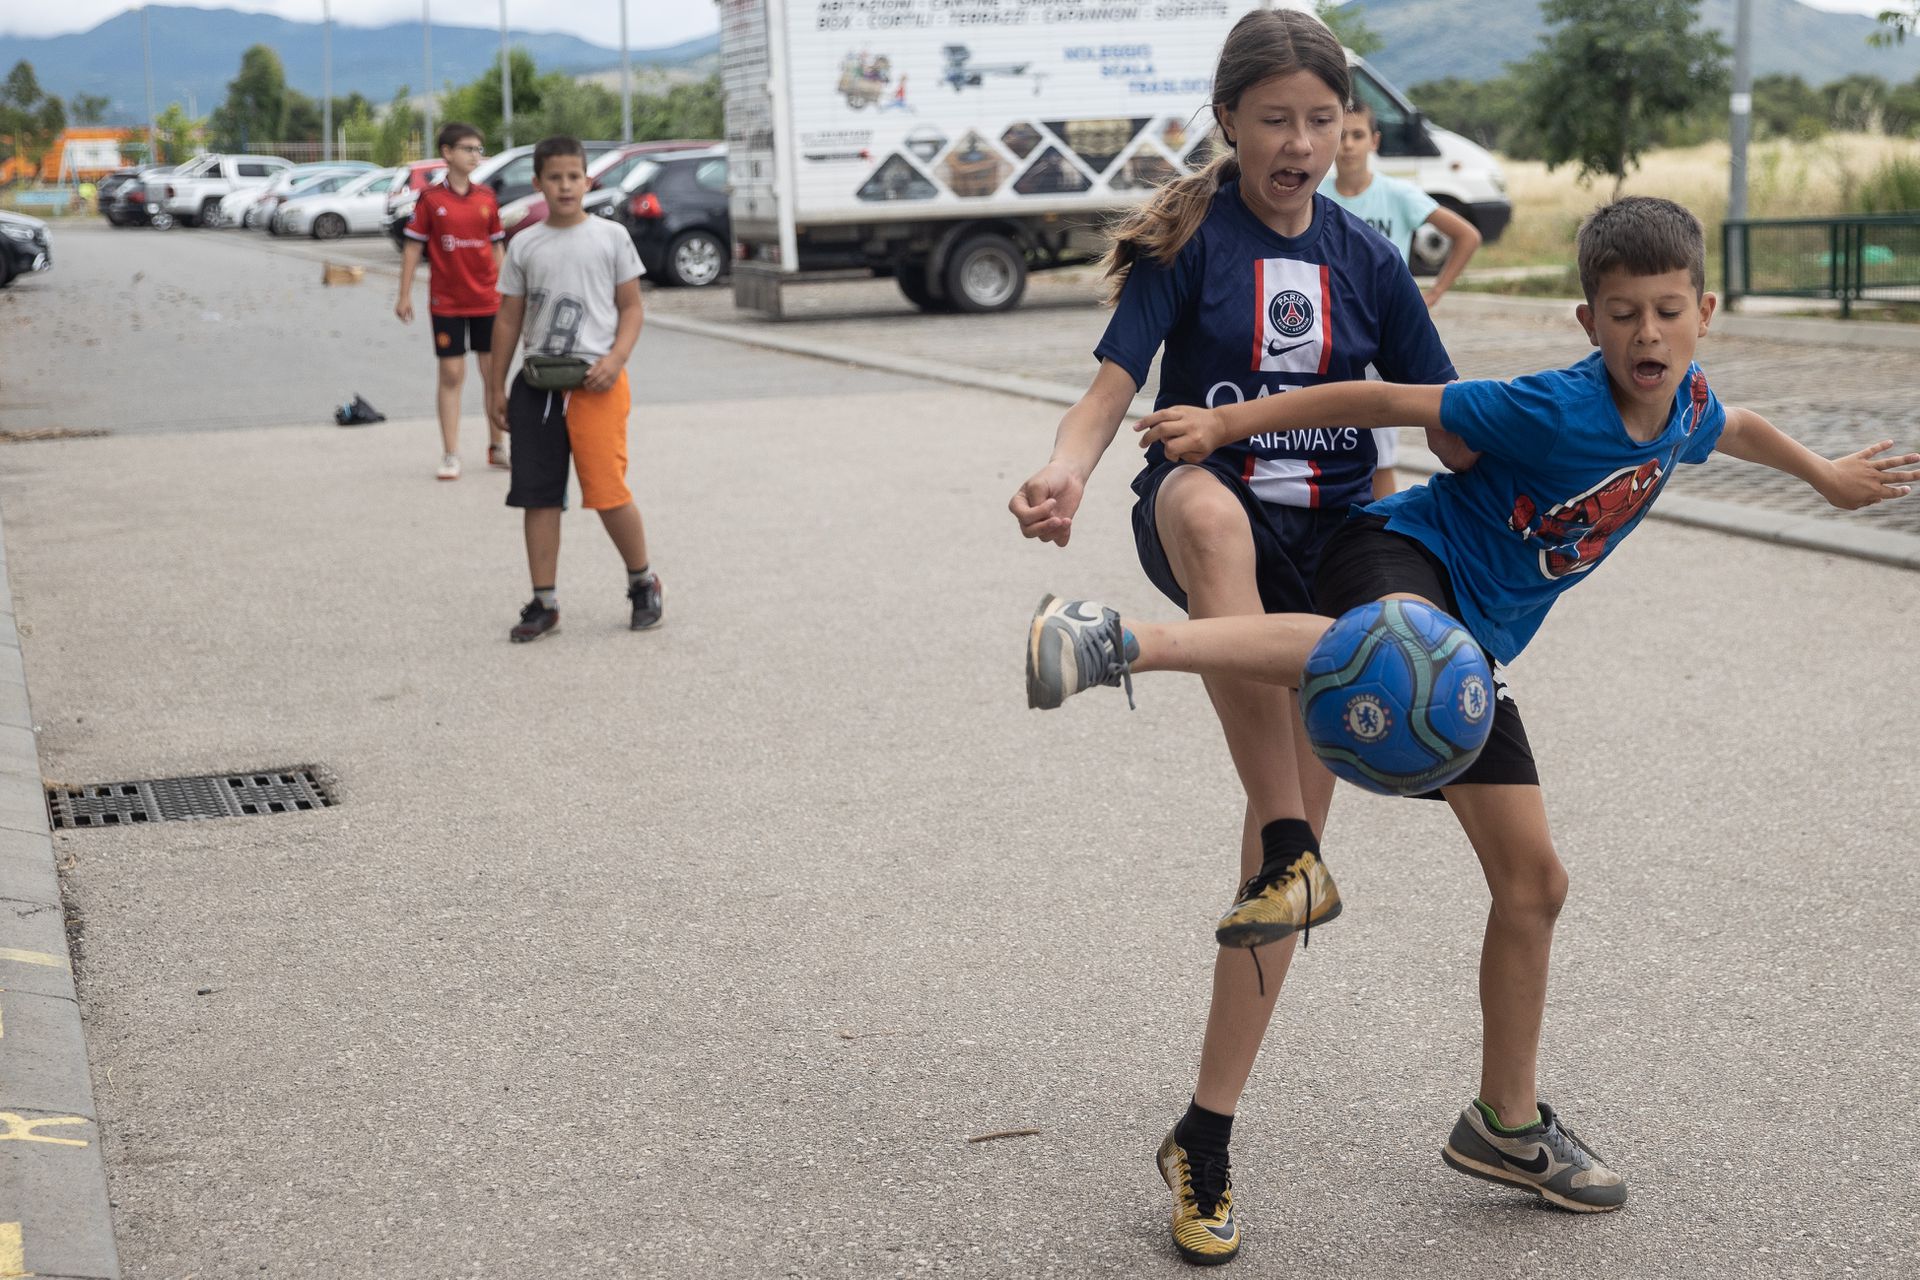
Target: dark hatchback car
{"points": [[24, 246], [675, 208]]}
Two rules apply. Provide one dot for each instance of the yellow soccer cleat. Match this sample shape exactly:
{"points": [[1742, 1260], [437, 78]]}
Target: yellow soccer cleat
{"points": [[1284, 898], [1204, 1228]]}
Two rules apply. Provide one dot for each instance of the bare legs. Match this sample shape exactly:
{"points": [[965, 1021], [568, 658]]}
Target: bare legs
{"points": [[542, 524], [453, 375], [1210, 547]]}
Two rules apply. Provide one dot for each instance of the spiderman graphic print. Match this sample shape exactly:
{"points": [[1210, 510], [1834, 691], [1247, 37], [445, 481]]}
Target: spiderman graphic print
{"points": [[1559, 482]]}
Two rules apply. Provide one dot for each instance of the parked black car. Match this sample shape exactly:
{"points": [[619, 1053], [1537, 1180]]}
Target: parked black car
{"points": [[126, 204], [107, 187], [675, 208], [23, 246]]}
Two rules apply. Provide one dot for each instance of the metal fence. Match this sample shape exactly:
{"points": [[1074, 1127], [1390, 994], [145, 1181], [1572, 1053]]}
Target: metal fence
{"points": [[1853, 258]]}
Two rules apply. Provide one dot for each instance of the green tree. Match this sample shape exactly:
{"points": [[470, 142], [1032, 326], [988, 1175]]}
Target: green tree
{"points": [[29, 118], [1857, 103], [1487, 111], [478, 101], [395, 132], [1786, 106], [179, 135], [1349, 26], [255, 111], [696, 110], [571, 106], [1609, 75], [1896, 24], [90, 108]]}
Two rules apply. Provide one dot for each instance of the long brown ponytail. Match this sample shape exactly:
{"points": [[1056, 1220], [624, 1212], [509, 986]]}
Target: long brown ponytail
{"points": [[1263, 44]]}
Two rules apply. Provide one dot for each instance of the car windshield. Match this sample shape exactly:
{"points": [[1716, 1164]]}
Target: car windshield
{"points": [[366, 182]]}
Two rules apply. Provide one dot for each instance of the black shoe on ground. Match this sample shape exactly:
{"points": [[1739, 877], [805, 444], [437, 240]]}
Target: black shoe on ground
{"points": [[535, 621], [648, 603]]}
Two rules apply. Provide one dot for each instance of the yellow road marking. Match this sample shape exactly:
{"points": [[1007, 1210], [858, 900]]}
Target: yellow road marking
{"points": [[18, 1128], [33, 957], [13, 1255]]}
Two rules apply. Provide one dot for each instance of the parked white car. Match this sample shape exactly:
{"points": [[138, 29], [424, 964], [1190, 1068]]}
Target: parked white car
{"points": [[244, 207], [192, 193], [358, 208]]}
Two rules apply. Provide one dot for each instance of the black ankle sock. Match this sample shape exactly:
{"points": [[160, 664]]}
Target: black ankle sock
{"points": [[1284, 839], [1203, 1130]]}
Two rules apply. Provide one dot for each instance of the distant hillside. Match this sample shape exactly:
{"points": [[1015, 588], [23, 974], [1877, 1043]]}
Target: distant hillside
{"points": [[197, 51], [1476, 39]]}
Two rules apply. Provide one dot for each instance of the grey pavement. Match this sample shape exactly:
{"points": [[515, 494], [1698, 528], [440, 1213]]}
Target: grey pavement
{"points": [[703, 952]]}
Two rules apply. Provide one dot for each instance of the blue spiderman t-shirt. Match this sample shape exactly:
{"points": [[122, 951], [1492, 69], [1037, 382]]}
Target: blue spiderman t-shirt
{"points": [[1246, 313], [1559, 483]]}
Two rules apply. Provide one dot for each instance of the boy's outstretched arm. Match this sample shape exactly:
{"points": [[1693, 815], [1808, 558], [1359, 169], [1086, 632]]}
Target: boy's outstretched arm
{"points": [[1190, 434], [1854, 481]]}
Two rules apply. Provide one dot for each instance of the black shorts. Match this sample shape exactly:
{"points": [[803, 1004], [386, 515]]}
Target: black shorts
{"points": [[1287, 541], [1364, 561], [457, 335]]}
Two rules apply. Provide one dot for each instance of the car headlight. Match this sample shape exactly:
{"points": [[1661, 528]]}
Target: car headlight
{"points": [[22, 234], [513, 218]]}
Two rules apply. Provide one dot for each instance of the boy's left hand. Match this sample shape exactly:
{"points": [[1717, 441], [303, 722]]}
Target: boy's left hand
{"points": [[1862, 479], [1186, 432], [604, 373]]}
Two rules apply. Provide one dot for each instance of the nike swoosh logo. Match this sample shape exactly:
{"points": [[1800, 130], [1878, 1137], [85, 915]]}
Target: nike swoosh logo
{"points": [[1540, 1163], [1275, 349], [1223, 1234]]}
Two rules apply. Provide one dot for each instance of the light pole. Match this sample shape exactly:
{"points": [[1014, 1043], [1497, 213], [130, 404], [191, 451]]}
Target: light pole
{"points": [[626, 80], [326, 80], [426, 36], [1742, 104], [506, 83], [146, 52]]}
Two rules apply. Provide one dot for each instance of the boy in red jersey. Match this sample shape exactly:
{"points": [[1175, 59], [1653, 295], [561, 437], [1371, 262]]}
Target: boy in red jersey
{"points": [[457, 226]]}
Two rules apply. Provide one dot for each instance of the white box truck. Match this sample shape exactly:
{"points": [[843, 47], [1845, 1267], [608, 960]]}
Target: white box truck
{"points": [[958, 144]]}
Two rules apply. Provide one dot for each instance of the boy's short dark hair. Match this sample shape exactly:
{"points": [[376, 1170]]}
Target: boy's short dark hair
{"points": [[455, 132], [1359, 108], [1643, 236], [558, 145]]}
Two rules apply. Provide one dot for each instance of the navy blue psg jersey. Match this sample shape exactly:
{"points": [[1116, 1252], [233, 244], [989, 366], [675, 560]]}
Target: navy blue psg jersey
{"points": [[1246, 313]]}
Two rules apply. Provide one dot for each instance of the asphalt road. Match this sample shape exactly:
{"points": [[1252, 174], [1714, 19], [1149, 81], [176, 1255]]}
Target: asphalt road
{"points": [[703, 952]]}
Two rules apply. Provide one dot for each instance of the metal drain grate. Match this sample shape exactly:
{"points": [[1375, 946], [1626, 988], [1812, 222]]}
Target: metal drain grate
{"points": [[233, 795]]}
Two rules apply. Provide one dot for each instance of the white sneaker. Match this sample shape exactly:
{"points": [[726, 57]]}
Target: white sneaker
{"points": [[449, 467]]}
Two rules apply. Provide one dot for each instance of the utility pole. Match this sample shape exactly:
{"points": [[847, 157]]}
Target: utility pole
{"points": [[146, 52], [427, 150], [1742, 104], [626, 80], [326, 80], [506, 83]]}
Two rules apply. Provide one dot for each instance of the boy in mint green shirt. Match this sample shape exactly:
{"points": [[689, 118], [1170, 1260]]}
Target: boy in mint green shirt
{"points": [[1395, 209]]}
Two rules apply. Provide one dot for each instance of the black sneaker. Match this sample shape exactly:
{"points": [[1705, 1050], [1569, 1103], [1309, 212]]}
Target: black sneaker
{"points": [[648, 603], [1546, 1159], [535, 621]]}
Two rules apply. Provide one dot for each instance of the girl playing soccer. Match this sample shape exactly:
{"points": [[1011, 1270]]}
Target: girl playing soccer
{"points": [[1254, 285]]}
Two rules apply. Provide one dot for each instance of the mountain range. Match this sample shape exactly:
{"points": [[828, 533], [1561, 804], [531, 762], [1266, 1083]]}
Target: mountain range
{"points": [[197, 51], [1476, 39]]}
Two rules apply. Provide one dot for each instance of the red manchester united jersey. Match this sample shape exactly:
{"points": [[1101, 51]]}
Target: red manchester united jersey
{"points": [[459, 232]]}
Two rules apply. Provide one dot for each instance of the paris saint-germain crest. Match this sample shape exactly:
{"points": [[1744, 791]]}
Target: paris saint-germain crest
{"points": [[1290, 313]]}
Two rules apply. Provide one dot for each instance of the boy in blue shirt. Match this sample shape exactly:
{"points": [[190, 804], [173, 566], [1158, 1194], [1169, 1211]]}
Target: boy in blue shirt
{"points": [[1552, 471]]}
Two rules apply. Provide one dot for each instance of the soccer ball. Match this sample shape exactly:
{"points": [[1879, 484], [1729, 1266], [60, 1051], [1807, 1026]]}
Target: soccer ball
{"points": [[1397, 698]]}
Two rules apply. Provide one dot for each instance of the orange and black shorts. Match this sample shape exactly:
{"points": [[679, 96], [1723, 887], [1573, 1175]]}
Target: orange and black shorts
{"points": [[552, 428]]}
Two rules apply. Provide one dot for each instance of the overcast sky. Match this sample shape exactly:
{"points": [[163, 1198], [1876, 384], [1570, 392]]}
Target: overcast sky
{"points": [[650, 23]]}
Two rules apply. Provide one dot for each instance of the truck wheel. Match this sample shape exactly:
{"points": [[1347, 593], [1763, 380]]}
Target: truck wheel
{"points": [[160, 220], [913, 282], [329, 226], [696, 259], [210, 213], [986, 273]]}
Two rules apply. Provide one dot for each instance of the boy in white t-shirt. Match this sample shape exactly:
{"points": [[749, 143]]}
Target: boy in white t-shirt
{"points": [[572, 285], [1396, 209]]}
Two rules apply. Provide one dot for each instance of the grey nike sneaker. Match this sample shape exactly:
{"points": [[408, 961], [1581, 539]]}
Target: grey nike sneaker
{"points": [[1074, 645], [1546, 1159]]}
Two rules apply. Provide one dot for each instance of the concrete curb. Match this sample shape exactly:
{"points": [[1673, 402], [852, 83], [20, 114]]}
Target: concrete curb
{"points": [[54, 1216], [1806, 532]]}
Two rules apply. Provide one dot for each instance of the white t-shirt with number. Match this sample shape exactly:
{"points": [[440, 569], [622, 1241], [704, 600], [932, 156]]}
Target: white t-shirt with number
{"points": [[568, 275]]}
